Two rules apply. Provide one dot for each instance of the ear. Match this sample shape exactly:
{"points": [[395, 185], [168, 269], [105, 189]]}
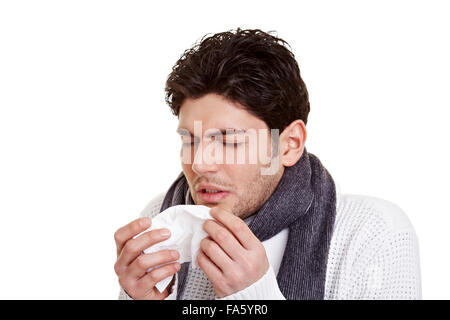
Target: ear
{"points": [[292, 143]]}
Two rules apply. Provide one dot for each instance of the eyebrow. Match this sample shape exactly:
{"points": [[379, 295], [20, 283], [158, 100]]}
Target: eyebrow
{"points": [[218, 132]]}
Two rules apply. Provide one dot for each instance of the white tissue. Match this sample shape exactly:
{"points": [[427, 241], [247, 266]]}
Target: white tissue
{"points": [[185, 223]]}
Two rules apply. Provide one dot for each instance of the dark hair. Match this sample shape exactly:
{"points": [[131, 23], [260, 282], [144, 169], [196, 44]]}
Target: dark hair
{"points": [[251, 67]]}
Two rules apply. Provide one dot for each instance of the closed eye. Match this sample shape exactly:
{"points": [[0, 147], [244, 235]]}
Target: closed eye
{"points": [[234, 144]]}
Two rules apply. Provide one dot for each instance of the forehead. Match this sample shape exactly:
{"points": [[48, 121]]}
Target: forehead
{"points": [[214, 111]]}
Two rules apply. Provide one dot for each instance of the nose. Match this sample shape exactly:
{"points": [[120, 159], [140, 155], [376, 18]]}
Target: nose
{"points": [[205, 158]]}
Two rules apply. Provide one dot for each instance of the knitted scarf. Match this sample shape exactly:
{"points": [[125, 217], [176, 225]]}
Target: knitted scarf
{"points": [[305, 202]]}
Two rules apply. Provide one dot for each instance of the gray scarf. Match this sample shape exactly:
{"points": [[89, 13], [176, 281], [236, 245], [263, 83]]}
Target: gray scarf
{"points": [[305, 202]]}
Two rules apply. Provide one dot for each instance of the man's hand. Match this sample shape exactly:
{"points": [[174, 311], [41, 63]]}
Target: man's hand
{"points": [[232, 257], [131, 265]]}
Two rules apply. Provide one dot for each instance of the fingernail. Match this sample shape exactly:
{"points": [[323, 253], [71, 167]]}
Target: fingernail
{"points": [[174, 254], [178, 266], [165, 232]]}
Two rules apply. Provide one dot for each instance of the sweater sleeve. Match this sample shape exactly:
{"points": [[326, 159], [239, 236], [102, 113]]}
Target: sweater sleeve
{"points": [[392, 272], [374, 252], [382, 260], [266, 288], [123, 295]]}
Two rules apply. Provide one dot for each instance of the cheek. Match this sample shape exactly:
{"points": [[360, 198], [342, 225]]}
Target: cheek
{"points": [[187, 170], [242, 176], [186, 155]]}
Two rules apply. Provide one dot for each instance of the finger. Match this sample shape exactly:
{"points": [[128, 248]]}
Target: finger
{"points": [[158, 274], [237, 226], [224, 238], [128, 231], [134, 247], [216, 254], [142, 263], [213, 273]]}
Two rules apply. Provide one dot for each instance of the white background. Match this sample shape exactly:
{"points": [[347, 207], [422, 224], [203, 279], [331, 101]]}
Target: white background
{"points": [[86, 139]]}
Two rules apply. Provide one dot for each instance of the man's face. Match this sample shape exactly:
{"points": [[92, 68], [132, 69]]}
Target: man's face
{"points": [[214, 163]]}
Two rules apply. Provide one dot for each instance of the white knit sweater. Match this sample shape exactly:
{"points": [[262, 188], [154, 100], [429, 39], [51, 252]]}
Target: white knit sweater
{"points": [[374, 254]]}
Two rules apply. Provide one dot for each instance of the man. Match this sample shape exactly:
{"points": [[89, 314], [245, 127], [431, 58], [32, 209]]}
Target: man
{"points": [[282, 230]]}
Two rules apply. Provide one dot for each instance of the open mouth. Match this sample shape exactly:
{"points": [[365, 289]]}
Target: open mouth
{"points": [[210, 191], [212, 195]]}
